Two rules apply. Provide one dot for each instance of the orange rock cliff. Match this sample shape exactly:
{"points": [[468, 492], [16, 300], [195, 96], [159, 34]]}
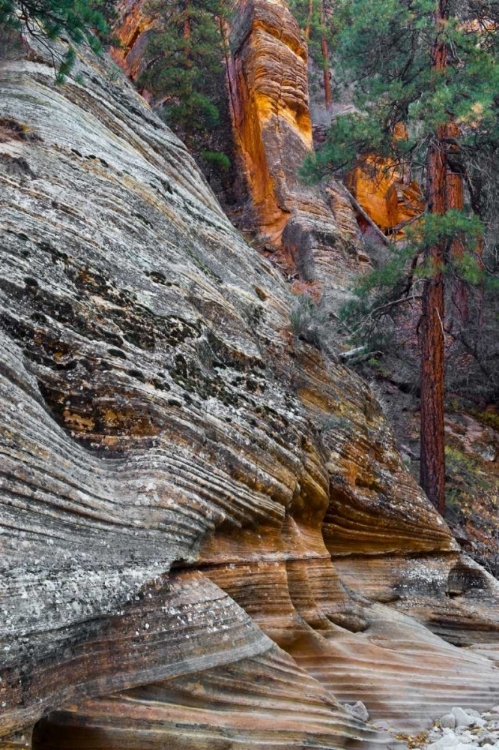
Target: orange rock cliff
{"points": [[209, 538]]}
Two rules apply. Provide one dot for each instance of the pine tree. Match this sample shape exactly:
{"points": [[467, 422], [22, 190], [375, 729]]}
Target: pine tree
{"points": [[184, 65], [432, 67], [312, 17], [80, 20]]}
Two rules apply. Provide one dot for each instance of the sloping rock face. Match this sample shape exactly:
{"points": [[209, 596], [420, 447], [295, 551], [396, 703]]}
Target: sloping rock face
{"points": [[208, 537]]}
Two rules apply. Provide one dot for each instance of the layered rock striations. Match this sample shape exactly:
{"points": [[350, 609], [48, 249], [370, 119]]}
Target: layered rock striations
{"points": [[208, 536], [312, 233], [313, 230], [269, 94]]}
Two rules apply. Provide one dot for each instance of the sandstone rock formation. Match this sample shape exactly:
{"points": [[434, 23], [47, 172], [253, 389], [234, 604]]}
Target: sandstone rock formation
{"points": [[389, 200], [269, 92], [131, 32], [208, 537], [314, 231]]}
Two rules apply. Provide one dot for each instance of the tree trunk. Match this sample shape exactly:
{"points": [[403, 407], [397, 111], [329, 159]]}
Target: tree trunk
{"points": [[454, 199], [432, 346], [328, 96], [432, 332], [187, 21], [309, 19]]}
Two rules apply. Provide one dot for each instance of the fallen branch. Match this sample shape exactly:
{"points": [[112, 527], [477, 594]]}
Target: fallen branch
{"points": [[396, 229], [344, 356], [365, 216], [381, 308]]}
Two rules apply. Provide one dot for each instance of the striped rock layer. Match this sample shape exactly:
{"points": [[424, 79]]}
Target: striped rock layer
{"points": [[208, 537]]}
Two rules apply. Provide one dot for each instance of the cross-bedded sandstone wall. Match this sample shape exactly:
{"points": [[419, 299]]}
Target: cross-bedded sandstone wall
{"points": [[208, 536]]}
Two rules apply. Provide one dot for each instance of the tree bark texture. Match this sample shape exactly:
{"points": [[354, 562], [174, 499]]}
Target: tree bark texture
{"points": [[454, 199], [187, 21], [328, 96], [309, 19], [432, 471]]}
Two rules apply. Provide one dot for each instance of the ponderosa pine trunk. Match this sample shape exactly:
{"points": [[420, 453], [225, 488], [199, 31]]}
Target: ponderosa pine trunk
{"points": [[187, 21], [454, 199], [328, 96], [432, 324], [309, 19]]}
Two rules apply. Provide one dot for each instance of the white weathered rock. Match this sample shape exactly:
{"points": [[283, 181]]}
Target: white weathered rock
{"points": [[463, 719], [449, 739], [463, 729], [472, 712], [358, 710], [487, 739], [434, 735], [466, 737]]}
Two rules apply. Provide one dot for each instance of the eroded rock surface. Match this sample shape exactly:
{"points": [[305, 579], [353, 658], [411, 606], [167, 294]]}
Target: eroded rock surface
{"points": [[132, 33], [208, 536], [312, 231], [389, 199]]}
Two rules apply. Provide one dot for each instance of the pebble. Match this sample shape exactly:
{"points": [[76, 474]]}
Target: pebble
{"points": [[463, 718], [464, 729], [358, 710]]}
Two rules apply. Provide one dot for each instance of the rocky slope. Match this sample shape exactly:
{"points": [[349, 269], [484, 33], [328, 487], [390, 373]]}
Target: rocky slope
{"points": [[208, 538]]}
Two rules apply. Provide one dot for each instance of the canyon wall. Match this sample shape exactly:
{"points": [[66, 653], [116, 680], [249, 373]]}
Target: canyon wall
{"points": [[312, 231], [131, 32], [269, 95], [209, 539]]}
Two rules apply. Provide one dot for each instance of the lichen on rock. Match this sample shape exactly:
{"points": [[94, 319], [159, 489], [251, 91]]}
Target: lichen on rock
{"points": [[208, 536]]}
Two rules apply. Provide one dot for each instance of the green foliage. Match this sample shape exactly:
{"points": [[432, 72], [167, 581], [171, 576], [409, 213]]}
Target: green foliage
{"points": [[78, 20], [388, 275], [384, 55], [466, 475], [348, 137], [306, 319], [379, 295], [185, 62], [311, 17], [364, 316], [461, 464], [489, 418], [384, 49], [217, 159], [434, 229]]}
